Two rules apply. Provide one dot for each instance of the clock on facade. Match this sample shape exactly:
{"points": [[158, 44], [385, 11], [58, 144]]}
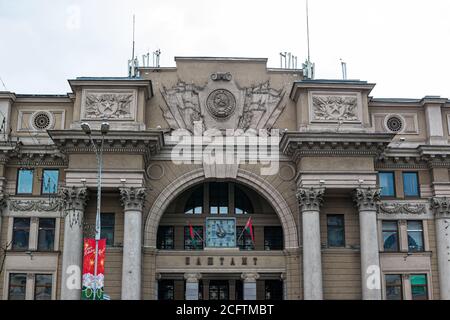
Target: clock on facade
{"points": [[221, 232]]}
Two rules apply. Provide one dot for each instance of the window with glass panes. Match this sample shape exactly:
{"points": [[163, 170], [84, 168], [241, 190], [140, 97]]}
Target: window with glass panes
{"points": [[411, 184], [336, 230], [165, 238], [108, 221], [273, 238], [17, 286], [50, 181], [21, 233], [419, 286], [415, 236], [242, 203], [194, 205], [245, 241], [166, 290], [394, 287], [197, 242], [387, 184], [218, 198], [25, 181], [390, 236], [46, 234], [43, 286]]}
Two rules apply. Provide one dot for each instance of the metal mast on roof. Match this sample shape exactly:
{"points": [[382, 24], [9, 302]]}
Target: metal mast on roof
{"points": [[133, 63], [308, 66]]}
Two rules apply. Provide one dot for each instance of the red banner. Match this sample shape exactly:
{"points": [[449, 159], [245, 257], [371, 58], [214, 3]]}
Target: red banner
{"points": [[93, 285]]}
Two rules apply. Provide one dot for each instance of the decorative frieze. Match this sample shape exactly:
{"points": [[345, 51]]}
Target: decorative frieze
{"points": [[310, 199], [334, 108], [35, 205], [441, 207], [403, 208], [133, 198], [367, 199], [109, 105]]}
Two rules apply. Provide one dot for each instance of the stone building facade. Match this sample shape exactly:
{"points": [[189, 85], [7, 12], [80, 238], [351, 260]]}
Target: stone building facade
{"points": [[357, 207]]}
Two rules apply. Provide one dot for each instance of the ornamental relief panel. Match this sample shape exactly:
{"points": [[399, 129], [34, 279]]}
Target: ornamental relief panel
{"points": [[404, 209], [221, 104], [335, 108], [109, 105]]}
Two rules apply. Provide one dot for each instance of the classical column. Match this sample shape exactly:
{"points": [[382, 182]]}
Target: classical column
{"points": [[441, 206], [310, 201], [73, 201], [133, 202], [366, 200], [192, 280], [249, 285]]}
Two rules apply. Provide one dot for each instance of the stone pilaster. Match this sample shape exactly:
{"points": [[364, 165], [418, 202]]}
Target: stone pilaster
{"points": [[73, 202], [249, 285], [441, 207], [367, 200], [133, 202], [310, 200], [192, 286]]}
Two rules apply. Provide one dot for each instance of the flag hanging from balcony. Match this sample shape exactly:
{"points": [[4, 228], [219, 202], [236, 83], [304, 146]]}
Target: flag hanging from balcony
{"points": [[249, 228], [92, 288]]}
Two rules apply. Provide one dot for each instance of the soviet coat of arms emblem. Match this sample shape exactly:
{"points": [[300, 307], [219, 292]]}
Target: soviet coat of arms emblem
{"points": [[221, 104]]}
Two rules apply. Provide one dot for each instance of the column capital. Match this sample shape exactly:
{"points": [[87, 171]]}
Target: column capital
{"points": [[250, 276], [441, 207], [366, 199], [192, 277], [310, 199], [73, 198], [133, 198]]}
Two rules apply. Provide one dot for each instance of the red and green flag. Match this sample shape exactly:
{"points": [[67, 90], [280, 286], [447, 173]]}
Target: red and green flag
{"points": [[249, 228]]}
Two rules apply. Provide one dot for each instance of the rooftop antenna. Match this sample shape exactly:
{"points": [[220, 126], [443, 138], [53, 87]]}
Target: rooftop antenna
{"points": [[132, 64], [3, 84], [307, 30], [344, 69], [308, 66]]}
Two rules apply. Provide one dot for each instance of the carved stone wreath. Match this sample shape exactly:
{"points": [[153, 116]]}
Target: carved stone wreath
{"points": [[405, 208], [335, 108], [221, 104]]}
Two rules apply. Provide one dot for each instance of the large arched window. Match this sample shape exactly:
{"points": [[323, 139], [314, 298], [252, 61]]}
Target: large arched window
{"points": [[242, 203], [194, 204]]}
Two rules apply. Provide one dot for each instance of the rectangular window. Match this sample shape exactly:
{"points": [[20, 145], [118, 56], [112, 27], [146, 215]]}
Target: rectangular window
{"points": [[273, 289], [415, 236], [390, 236], [17, 286], [218, 202], [245, 241], [219, 290], [419, 286], [394, 287], [387, 184], [43, 287], [25, 181], [107, 228], [411, 184], [21, 233], [273, 238], [195, 243], [166, 290], [50, 181], [165, 238], [336, 230], [46, 234]]}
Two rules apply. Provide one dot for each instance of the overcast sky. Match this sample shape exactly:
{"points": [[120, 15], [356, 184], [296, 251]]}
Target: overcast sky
{"points": [[401, 45]]}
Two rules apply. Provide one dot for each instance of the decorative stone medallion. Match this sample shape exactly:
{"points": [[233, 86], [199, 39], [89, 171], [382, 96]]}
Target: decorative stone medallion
{"points": [[221, 104]]}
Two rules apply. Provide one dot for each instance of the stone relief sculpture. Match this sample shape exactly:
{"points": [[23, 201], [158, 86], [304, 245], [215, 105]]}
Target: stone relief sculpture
{"points": [[402, 208], [261, 107], [334, 108], [182, 106], [259, 110], [116, 106]]}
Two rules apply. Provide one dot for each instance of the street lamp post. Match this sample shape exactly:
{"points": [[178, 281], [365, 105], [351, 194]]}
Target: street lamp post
{"points": [[99, 155]]}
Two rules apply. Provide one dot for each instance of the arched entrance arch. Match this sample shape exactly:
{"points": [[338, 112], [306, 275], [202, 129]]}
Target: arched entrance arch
{"points": [[245, 177]]}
